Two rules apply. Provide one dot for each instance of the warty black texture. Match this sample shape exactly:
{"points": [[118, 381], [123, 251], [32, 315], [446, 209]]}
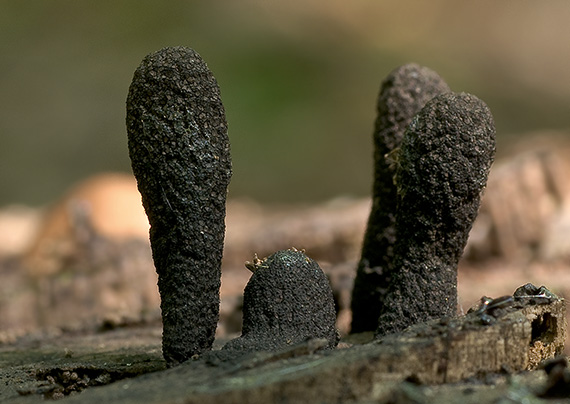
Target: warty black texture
{"points": [[441, 171], [287, 300], [403, 94], [180, 154]]}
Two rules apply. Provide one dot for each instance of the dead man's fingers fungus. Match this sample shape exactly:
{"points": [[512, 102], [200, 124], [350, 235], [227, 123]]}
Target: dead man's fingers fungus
{"points": [[441, 170], [403, 94], [287, 300], [180, 154]]}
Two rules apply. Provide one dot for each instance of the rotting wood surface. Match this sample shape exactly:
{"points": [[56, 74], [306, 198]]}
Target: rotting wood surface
{"points": [[431, 353], [443, 351]]}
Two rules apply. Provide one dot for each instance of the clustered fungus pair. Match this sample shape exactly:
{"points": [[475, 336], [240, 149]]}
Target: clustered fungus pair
{"points": [[180, 154], [433, 152], [432, 157]]}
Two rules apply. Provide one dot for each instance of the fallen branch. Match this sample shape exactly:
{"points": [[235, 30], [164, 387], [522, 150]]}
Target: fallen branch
{"points": [[503, 335]]}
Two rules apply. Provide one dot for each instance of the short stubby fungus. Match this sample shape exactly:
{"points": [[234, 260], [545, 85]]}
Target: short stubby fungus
{"points": [[287, 300], [403, 94], [441, 170], [180, 154]]}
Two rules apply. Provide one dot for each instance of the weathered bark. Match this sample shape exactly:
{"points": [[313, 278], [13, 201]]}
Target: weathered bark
{"points": [[429, 353]]}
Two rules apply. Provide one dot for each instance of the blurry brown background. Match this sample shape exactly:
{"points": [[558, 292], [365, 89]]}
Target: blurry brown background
{"points": [[299, 81]]}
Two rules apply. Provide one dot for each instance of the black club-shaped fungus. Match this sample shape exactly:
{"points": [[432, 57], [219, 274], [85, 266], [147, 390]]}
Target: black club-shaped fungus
{"points": [[441, 170], [180, 154], [403, 94], [287, 300]]}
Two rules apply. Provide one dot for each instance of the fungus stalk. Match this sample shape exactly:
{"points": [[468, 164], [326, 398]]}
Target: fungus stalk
{"points": [[179, 149], [441, 170], [403, 94]]}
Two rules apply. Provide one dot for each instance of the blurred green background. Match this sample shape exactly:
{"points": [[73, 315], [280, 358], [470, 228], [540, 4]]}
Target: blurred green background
{"points": [[299, 81]]}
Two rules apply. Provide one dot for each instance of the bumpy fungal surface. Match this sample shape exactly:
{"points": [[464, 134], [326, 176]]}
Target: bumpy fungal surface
{"points": [[403, 94], [287, 300], [179, 148], [442, 169]]}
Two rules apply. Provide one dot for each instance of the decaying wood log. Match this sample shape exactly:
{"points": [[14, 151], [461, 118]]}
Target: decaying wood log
{"points": [[503, 335]]}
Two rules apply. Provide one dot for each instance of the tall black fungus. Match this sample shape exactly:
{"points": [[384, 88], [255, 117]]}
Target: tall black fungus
{"points": [[441, 171], [287, 300], [180, 156], [403, 94]]}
